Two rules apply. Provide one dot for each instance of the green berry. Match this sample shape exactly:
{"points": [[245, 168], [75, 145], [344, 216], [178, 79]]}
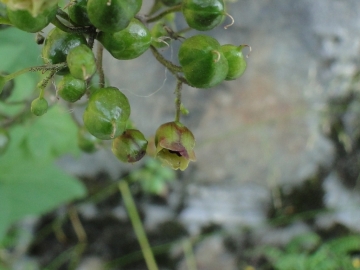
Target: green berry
{"points": [[107, 112], [203, 63], [130, 146], [129, 43], [236, 61], [86, 141], [81, 62], [23, 19], [39, 106], [57, 46], [78, 13], [203, 15], [112, 15], [70, 88]]}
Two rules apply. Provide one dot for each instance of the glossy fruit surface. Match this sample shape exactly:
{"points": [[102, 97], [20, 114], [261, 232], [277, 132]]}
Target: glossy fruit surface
{"points": [[130, 146], [203, 15], [78, 13], [236, 61], [129, 43], [86, 141], [23, 19], [81, 62], [70, 88], [112, 15], [4, 140], [39, 106], [57, 46], [203, 63], [107, 112]]}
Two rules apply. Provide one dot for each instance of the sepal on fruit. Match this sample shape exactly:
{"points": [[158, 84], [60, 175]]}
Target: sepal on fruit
{"points": [[175, 144], [130, 146]]}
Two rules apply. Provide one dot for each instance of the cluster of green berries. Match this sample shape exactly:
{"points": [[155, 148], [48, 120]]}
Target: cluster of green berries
{"points": [[116, 24]]}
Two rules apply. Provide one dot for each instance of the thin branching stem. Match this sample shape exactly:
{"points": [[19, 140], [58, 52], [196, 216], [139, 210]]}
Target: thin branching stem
{"points": [[164, 13], [178, 100], [137, 225], [99, 64]]}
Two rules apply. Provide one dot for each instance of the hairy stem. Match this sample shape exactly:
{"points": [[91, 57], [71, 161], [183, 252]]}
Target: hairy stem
{"points": [[43, 68], [178, 100], [169, 65], [164, 13], [99, 64]]}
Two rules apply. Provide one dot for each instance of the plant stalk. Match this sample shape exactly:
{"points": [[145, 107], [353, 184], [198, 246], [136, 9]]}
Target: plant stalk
{"points": [[137, 225]]}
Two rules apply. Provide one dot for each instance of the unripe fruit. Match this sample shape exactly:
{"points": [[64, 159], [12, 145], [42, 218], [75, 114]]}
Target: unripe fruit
{"points": [[203, 63], [86, 141], [70, 88], [39, 106], [23, 19], [130, 146], [106, 114], [81, 62], [129, 43], [112, 15], [57, 46], [236, 61], [203, 15], [78, 13]]}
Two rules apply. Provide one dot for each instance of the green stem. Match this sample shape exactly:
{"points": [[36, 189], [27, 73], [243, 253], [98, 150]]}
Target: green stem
{"points": [[99, 64], [156, 6], [189, 255], [44, 82], [63, 15], [137, 225], [169, 65], [4, 20], [75, 30], [164, 13], [55, 68], [178, 100]]}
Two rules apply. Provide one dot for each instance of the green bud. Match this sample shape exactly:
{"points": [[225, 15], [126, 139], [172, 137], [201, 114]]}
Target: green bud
{"points": [[175, 145], [39, 106], [130, 146]]}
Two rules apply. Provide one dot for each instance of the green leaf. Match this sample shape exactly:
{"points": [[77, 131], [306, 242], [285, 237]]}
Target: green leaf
{"points": [[51, 135], [30, 183], [30, 187]]}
